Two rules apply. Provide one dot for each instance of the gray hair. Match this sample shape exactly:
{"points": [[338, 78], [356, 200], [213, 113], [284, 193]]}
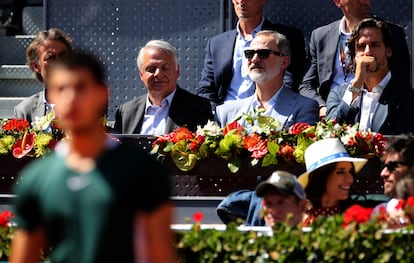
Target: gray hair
{"points": [[281, 41], [158, 44]]}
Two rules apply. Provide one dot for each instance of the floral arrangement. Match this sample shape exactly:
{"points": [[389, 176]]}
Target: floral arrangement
{"points": [[21, 138], [353, 237], [261, 141], [6, 233]]}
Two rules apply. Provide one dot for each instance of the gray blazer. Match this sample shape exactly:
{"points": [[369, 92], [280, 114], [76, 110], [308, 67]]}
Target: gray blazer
{"points": [[31, 107], [186, 109], [394, 114], [318, 78], [291, 108]]}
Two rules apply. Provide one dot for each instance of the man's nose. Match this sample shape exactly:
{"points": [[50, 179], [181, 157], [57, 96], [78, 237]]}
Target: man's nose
{"points": [[367, 50]]}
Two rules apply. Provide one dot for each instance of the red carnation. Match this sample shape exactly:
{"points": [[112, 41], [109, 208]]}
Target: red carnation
{"points": [[5, 217], [233, 126], [198, 217], [298, 128], [357, 213], [410, 201]]}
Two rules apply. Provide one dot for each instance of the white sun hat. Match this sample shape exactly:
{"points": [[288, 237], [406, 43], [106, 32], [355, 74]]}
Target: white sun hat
{"points": [[326, 151]]}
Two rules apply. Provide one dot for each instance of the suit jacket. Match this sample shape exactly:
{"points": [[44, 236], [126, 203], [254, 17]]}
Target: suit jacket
{"points": [[218, 62], [31, 107], [291, 108], [322, 49], [394, 114], [186, 109]]}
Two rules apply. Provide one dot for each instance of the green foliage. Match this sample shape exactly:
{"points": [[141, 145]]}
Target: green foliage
{"points": [[328, 241]]}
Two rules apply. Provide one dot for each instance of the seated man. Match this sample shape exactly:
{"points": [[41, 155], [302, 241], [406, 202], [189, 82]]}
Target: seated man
{"points": [[375, 98], [47, 46], [280, 198], [267, 61], [166, 106]]}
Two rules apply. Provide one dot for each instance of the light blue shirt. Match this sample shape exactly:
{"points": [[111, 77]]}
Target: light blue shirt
{"points": [[241, 86], [155, 117]]}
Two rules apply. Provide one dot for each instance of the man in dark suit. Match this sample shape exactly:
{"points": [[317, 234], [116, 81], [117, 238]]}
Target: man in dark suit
{"points": [[267, 61], [375, 98], [223, 77], [48, 46], [166, 106], [329, 65]]}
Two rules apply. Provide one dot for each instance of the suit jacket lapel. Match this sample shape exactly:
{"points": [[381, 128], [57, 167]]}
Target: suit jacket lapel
{"points": [[379, 117], [331, 48], [228, 44], [284, 104], [39, 109], [138, 118]]}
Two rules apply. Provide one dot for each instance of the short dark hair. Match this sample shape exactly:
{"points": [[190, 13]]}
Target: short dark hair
{"points": [[372, 22], [78, 59], [402, 145], [50, 34]]}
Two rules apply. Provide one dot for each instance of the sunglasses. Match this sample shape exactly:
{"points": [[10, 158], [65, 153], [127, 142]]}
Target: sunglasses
{"points": [[262, 53], [391, 166]]}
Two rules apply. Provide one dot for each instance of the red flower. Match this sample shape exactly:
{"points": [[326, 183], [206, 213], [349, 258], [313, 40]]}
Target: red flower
{"points": [[357, 213], [233, 126], [410, 201], [198, 217], [5, 218], [19, 125], [400, 204], [24, 145], [298, 128], [286, 151]]}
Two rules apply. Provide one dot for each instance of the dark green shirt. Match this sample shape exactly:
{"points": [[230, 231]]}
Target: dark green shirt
{"points": [[89, 217]]}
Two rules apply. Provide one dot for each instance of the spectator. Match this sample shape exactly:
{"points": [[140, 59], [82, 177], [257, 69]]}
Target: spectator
{"points": [[166, 106], [111, 206], [267, 61], [398, 162], [328, 179], [329, 65], [375, 98], [278, 199], [46, 48], [405, 186], [225, 76]]}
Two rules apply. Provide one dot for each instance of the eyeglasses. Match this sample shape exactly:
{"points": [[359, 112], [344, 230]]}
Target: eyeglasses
{"points": [[391, 166], [262, 53]]}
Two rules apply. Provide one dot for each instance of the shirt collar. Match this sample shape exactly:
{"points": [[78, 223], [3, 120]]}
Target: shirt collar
{"points": [[272, 101], [257, 29], [165, 101], [342, 30], [380, 87]]}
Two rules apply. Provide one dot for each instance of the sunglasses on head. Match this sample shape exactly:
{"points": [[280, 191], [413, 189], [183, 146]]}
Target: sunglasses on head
{"points": [[262, 53], [392, 165]]}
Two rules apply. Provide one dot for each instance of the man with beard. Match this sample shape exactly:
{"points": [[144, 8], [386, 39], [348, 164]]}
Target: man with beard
{"points": [[224, 76], [267, 60], [376, 98], [330, 66]]}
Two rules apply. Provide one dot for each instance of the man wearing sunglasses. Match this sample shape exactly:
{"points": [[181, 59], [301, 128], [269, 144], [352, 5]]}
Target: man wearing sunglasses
{"points": [[267, 60], [224, 76], [329, 65], [398, 162]]}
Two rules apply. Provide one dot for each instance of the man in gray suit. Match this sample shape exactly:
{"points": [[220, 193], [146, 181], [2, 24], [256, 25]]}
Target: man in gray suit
{"points": [[267, 60], [48, 46], [166, 106], [329, 65], [376, 97]]}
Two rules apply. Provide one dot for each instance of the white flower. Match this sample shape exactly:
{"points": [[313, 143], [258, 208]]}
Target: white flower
{"points": [[210, 129]]}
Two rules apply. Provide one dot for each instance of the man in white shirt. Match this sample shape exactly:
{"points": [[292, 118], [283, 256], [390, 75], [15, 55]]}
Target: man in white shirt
{"points": [[375, 98], [329, 65]]}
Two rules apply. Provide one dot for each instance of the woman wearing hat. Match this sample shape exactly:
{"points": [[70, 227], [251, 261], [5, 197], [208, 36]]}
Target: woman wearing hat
{"points": [[328, 178]]}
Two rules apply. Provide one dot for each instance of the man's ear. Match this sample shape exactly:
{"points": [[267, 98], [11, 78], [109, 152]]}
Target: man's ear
{"points": [[337, 3], [285, 62], [388, 52], [36, 67]]}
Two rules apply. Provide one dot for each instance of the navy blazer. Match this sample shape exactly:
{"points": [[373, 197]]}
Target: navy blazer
{"points": [[394, 114], [31, 107], [186, 109], [322, 49], [218, 62], [291, 108]]}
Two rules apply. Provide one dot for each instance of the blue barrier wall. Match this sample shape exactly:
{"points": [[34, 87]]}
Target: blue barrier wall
{"points": [[116, 29]]}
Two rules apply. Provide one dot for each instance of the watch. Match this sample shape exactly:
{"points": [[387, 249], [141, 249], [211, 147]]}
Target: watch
{"points": [[353, 89]]}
